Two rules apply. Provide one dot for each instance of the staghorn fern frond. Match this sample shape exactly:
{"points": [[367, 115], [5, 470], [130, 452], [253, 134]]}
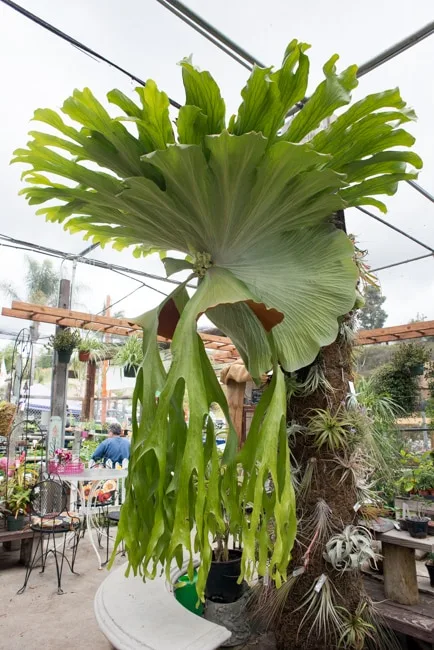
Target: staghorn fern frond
{"points": [[249, 205]]}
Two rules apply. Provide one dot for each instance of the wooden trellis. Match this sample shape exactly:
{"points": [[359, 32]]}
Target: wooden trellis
{"points": [[222, 347]]}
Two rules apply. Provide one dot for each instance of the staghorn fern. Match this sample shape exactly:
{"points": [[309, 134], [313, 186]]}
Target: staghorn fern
{"points": [[249, 205]]}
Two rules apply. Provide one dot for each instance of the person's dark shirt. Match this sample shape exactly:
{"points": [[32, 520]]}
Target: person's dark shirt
{"points": [[115, 449]]}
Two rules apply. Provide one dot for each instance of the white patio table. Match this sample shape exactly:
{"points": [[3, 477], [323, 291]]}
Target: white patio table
{"points": [[96, 477]]}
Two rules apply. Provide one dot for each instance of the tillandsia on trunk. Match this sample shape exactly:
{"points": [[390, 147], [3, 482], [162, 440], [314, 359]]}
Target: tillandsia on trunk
{"points": [[249, 204]]}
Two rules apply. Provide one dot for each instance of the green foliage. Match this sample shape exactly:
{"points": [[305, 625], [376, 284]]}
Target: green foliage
{"points": [[6, 355], [87, 448], [330, 431], [397, 378], [372, 315], [241, 201], [129, 353], [356, 630], [65, 341]]}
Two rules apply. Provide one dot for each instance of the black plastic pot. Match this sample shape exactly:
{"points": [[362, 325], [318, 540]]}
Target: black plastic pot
{"points": [[403, 523], [430, 568], [64, 356], [221, 585], [418, 526], [15, 523], [130, 371]]}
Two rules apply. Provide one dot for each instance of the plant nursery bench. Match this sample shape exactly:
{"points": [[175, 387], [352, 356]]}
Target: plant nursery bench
{"points": [[416, 621], [24, 536], [137, 615], [399, 562]]}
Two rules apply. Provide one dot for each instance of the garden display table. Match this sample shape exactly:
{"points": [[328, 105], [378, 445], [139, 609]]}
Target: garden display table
{"points": [[24, 536], [94, 478], [399, 564]]}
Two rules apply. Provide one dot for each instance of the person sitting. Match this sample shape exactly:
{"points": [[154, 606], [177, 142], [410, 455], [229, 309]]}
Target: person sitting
{"points": [[114, 447]]}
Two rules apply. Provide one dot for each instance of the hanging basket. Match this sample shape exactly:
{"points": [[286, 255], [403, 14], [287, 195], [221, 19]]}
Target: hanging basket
{"points": [[64, 356], [84, 356], [7, 414], [130, 371]]}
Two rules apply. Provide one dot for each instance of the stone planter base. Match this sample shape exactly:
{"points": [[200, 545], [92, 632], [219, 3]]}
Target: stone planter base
{"points": [[233, 616]]}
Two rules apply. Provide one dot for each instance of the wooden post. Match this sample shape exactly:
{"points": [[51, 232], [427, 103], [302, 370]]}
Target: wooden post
{"points": [[104, 370], [59, 380], [400, 579], [235, 396], [89, 394]]}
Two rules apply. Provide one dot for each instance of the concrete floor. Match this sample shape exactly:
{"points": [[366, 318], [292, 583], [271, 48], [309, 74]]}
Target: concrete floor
{"points": [[40, 619]]}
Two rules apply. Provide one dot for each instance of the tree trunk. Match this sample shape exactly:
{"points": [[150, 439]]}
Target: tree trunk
{"points": [[338, 494]]}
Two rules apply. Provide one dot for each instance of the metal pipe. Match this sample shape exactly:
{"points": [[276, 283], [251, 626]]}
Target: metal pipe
{"points": [[209, 31], [422, 190], [395, 228], [412, 259]]}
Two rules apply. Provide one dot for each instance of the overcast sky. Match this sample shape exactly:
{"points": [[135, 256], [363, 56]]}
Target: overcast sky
{"points": [[37, 69]]}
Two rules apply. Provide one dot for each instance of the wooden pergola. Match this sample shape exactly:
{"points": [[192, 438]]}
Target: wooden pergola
{"points": [[221, 347]]}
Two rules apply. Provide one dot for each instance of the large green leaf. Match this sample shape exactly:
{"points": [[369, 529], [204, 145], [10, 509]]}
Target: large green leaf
{"points": [[251, 210]]}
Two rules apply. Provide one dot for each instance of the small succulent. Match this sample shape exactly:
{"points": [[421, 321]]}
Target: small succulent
{"points": [[348, 550]]}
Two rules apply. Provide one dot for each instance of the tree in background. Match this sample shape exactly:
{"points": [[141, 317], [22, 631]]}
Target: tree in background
{"points": [[41, 281], [372, 315], [398, 379]]}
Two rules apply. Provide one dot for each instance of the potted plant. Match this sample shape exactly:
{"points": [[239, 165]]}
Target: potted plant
{"points": [[15, 494], [91, 348], [430, 566], [130, 356], [64, 342], [418, 526], [222, 584]]}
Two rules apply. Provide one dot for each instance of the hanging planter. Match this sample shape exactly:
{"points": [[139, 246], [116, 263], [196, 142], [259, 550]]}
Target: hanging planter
{"points": [[84, 356], [64, 342], [130, 371], [63, 356]]}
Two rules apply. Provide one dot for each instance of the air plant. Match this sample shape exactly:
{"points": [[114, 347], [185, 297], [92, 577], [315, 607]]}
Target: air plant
{"points": [[355, 465], [328, 430], [322, 612], [319, 524], [305, 483], [355, 628], [348, 550], [315, 380], [267, 603]]}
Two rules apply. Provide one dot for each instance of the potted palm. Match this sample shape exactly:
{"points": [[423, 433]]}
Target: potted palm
{"points": [[64, 342], [130, 356]]}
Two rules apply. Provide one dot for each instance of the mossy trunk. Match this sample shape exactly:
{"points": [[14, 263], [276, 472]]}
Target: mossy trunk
{"points": [[339, 494]]}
